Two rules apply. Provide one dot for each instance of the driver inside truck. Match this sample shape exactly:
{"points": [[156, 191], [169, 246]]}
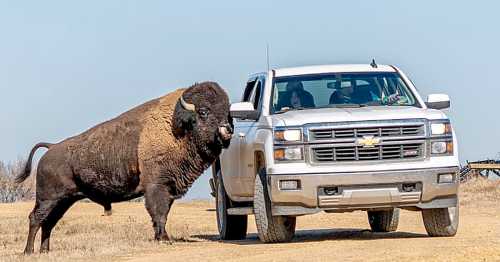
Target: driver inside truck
{"points": [[345, 93]]}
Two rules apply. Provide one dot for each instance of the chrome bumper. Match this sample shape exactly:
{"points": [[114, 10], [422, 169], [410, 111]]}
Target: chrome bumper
{"points": [[363, 190]]}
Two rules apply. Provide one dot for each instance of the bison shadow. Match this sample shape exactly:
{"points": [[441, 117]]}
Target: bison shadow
{"points": [[317, 235]]}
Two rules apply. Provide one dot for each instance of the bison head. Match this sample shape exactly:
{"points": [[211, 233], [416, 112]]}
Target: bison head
{"points": [[202, 112]]}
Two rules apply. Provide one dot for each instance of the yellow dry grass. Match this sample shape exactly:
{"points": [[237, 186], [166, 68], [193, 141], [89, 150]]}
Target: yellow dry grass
{"points": [[85, 235], [478, 189]]}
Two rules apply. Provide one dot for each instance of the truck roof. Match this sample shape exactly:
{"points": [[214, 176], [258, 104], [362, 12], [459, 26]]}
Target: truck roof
{"points": [[339, 68]]}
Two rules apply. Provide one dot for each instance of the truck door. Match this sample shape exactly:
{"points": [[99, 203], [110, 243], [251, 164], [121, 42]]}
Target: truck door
{"points": [[247, 138], [231, 158]]}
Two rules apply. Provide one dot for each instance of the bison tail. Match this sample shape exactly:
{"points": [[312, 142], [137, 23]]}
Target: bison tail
{"points": [[27, 168]]}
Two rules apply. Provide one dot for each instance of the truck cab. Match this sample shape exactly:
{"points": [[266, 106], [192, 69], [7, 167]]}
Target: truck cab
{"points": [[336, 138]]}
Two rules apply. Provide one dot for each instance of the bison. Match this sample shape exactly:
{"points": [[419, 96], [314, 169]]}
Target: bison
{"points": [[156, 150]]}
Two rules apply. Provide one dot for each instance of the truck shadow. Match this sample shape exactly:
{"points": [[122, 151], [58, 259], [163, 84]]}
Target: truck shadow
{"points": [[317, 235]]}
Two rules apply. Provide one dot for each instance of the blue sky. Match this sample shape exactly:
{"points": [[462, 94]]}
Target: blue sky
{"points": [[66, 66]]}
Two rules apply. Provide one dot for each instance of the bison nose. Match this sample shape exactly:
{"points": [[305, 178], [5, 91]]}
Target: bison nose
{"points": [[225, 132], [229, 128]]}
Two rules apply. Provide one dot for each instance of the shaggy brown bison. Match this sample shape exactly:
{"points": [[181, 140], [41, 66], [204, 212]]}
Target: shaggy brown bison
{"points": [[157, 149]]}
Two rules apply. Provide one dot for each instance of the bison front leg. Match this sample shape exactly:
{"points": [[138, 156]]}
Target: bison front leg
{"points": [[158, 203]]}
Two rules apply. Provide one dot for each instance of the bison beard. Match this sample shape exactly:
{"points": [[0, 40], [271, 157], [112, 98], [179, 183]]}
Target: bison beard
{"points": [[157, 149]]}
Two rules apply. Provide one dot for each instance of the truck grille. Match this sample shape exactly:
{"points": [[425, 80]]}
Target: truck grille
{"points": [[386, 131], [358, 153]]}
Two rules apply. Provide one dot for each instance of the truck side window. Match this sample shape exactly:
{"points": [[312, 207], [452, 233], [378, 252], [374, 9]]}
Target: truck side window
{"points": [[248, 91], [256, 95]]}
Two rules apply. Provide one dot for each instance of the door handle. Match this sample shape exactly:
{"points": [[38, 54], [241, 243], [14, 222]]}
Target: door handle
{"points": [[241, 135]]}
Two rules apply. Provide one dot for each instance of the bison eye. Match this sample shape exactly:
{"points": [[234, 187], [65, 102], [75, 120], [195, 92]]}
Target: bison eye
{"points": [[203, 112]]}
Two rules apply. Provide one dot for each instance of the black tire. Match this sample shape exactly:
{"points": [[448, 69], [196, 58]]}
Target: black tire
{"points": [[231, 227], [271, 229], [441, 222], [384, 221]]}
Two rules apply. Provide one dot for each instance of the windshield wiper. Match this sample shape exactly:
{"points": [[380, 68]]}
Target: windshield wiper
{"points": [[286, 109], [343, 106], [347, 106]]}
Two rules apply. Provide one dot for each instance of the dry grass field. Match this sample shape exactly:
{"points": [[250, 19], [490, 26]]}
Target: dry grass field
{"points": [[85, 235]]}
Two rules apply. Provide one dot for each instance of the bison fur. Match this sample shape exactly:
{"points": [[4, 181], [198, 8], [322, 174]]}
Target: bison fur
{"points": [[156, 150]]}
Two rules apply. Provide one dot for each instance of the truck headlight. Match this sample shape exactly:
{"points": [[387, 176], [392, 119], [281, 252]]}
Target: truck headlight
{"points": [[443, 128], [288, 135], [288, 154], [442, 147]]}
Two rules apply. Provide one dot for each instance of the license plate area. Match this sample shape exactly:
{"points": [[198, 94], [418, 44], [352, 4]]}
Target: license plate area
{"points": [[347, 195]]}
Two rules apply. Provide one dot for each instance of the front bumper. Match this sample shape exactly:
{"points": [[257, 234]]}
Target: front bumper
{"points": [[363, 191]]}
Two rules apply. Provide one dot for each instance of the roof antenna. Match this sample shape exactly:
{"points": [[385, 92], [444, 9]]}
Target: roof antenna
{"points": [[267, 55], [373, 64]]}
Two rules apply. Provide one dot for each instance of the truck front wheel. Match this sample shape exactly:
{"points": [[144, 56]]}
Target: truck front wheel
{"points": [[231, 227], [384, 221], [271, 229], [441, 222]]}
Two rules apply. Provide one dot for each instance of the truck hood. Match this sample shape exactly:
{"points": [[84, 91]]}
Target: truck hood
{"points": [[328, 115]]}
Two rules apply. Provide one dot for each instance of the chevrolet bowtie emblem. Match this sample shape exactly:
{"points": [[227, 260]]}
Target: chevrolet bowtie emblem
{"points": [[368, 141]]}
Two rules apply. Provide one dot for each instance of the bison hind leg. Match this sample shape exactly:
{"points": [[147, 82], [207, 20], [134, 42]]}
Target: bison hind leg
{"points": [[34, 226], [45, 214], [55, 212]]}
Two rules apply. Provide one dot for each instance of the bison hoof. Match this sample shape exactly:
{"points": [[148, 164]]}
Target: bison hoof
{"points": [[107, 213], [164, 239], [166, 242]]}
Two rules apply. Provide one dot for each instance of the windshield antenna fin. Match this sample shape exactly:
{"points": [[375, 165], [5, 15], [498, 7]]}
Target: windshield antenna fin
{"points": [[373, 64]]}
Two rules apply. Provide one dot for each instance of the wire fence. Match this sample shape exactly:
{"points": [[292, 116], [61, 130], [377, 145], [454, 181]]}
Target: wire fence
{"points": [[489, 168]]}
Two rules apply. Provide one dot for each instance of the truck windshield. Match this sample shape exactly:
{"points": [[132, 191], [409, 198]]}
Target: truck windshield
{"points": [[340, 90]]}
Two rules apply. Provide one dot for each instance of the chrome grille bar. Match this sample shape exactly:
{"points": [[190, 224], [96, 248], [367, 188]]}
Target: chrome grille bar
{"points": [[407, 150], [332, 133]]}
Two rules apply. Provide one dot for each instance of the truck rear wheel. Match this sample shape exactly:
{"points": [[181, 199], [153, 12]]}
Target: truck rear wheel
{"points": [[271, 229], [231, 227], [441, 222], [384, 221]]}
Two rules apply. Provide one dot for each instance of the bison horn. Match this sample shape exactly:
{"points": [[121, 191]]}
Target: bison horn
{"points": [[186, 105]]}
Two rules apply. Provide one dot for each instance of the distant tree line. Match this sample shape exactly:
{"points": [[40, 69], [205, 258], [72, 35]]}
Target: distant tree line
{"points": [[10, 191]]}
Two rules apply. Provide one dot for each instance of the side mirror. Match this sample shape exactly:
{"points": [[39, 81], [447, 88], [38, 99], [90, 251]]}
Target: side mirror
{"points": [[438, 101], [243, 110]]}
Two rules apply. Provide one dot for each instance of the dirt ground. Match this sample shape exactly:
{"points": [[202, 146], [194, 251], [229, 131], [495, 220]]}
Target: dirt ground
{"points": [[85, 235]]}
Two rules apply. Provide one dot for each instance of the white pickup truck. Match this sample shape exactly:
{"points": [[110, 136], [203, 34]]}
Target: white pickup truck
{"points": [[336, 138]]}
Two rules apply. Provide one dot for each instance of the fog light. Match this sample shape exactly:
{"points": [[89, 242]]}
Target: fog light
{"points": [[289, 184], [445, 178]]}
